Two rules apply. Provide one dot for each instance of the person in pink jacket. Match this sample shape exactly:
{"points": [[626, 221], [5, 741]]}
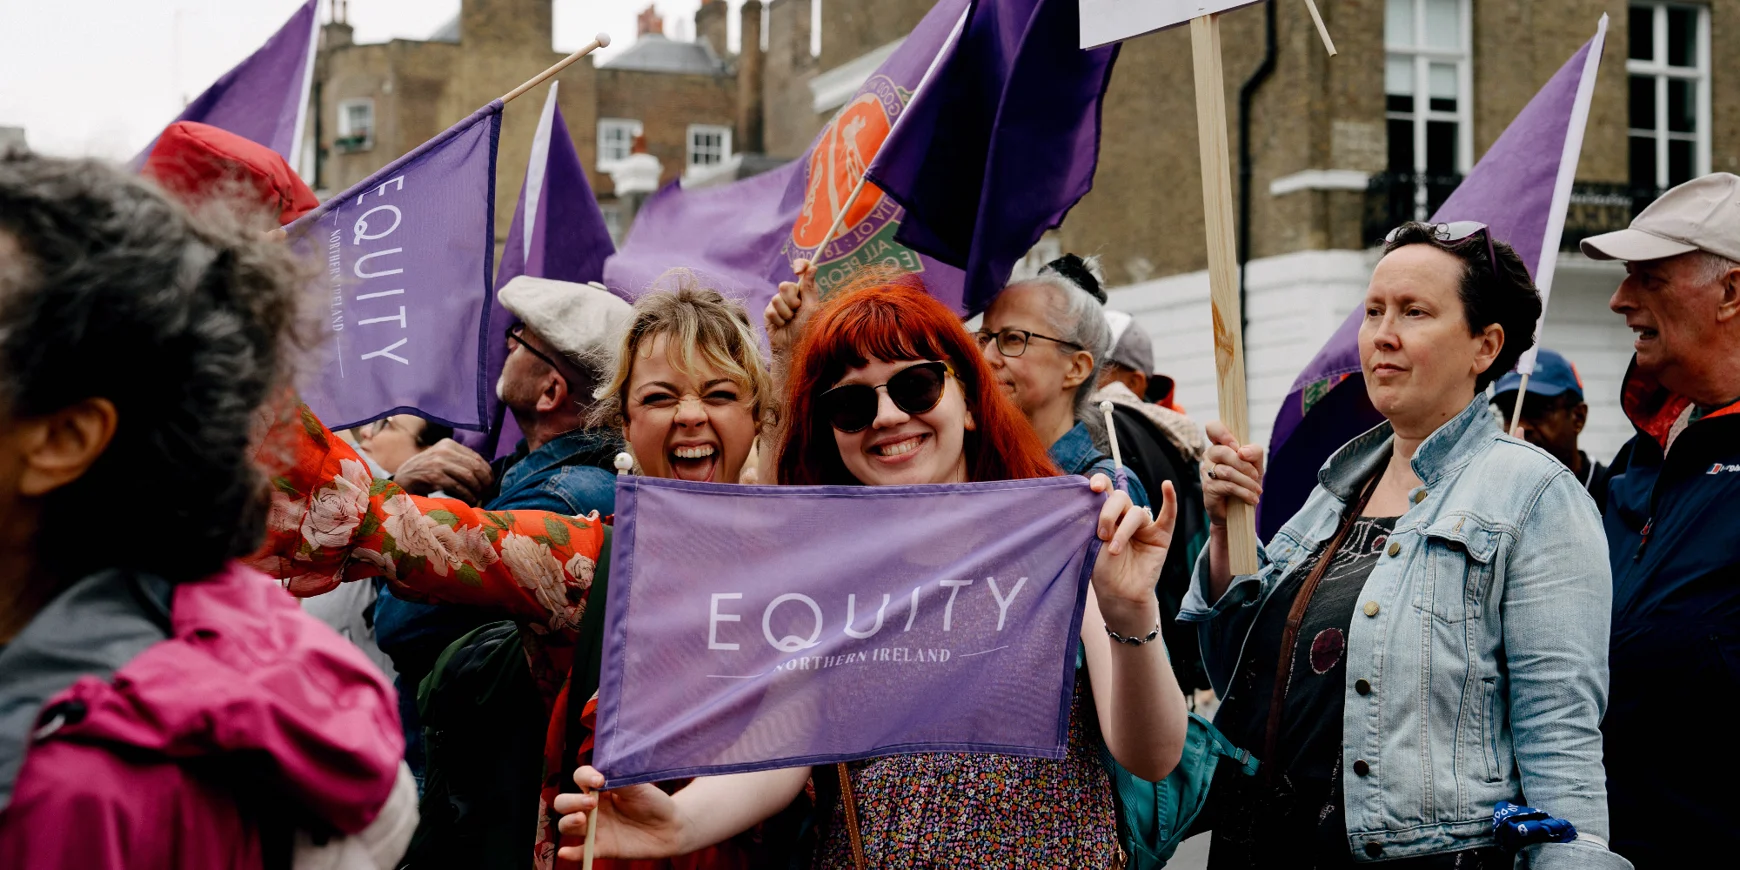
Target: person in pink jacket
{"points": [[162, 705]]}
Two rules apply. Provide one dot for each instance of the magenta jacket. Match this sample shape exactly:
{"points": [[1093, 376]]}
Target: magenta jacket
{"points": [[144, 725]]}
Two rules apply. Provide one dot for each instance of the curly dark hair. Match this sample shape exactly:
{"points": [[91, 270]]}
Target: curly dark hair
{"points": [[187, 323], [1501, 292]]}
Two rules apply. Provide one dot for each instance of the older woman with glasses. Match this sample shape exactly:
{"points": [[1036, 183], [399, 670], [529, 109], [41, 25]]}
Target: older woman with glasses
{"points": [[1426, 641]]}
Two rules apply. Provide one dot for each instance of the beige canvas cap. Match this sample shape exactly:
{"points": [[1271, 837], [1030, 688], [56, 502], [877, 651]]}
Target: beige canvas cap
{"points": [[1701, 215], [582, 321]]}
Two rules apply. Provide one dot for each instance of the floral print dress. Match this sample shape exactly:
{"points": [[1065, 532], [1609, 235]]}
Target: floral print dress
{"points": [[332, 522]]}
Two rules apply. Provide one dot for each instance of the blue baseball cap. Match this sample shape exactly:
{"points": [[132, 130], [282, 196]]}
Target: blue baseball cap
{"points": [[1553, 375]]}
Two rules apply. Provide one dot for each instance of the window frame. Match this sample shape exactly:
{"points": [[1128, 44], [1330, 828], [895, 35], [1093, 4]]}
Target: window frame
{"points": [[1423, 57], [634, 128], [1658, 69], [348, 139], [690, 151]]}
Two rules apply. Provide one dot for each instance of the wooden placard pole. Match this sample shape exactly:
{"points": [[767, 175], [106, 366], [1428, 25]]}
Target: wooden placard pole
{"points": [[598, 42], [1223, 277]]}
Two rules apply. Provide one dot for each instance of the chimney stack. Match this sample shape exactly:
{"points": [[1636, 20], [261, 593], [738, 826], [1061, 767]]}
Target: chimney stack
{"points": [[649, 22], [749, 80]]}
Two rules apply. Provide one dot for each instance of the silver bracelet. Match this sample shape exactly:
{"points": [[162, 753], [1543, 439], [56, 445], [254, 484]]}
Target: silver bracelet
{"points": [[1134, 641]]}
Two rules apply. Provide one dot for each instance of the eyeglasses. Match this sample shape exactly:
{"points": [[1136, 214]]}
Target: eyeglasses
{"points": [[1456, 231], [513, 335], [1013, 342], [914, 389]]}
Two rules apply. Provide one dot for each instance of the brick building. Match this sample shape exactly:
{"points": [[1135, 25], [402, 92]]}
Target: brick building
{"points": [[1339, 149]]}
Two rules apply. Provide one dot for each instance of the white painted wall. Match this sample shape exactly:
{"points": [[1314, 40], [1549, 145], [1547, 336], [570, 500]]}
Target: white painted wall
{"points": [[1297, 300]]}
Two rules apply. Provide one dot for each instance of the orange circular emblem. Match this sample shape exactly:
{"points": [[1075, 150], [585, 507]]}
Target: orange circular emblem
{"points": [[836, 165]]}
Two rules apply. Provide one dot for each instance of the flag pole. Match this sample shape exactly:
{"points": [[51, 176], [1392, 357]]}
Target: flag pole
{"points": [[1322, 31], [841, 217], [598, 42], [1112, 439], [1516, 413], [1223, 278]]}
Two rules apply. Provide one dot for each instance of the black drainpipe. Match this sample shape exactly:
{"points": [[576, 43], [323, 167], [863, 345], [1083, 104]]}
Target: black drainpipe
{"points": [[1247, 93]]}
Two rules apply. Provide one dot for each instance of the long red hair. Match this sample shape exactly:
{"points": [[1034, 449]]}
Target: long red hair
{"points": [[885, 313]]}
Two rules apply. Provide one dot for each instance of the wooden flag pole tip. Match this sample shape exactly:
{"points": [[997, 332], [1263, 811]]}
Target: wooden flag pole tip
{"points": [[598, 42], [1317, 19]]}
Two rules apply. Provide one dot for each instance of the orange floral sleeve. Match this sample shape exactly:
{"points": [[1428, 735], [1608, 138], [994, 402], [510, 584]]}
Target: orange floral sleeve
{"points": [[331, 522]]}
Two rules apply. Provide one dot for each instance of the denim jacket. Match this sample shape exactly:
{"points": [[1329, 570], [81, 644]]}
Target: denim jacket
{"points": [[1075, 453], [1482, 638]]}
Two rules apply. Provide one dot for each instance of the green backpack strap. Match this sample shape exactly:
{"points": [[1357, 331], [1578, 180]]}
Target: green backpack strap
{"points": [[1154, 817]]}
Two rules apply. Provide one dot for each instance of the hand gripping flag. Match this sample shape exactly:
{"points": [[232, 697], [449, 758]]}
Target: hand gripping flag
{"points": [[406, 260], [264, 98], [754, 628], [1018, 103], [558, 233], [1520, 190]]}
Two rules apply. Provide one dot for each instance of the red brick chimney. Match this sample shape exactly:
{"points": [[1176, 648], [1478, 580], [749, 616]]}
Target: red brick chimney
{"points": [[649, 21]]}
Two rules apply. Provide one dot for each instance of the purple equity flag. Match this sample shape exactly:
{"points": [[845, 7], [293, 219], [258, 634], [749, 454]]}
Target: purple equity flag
{"points": [[264, 98], [754, 628], [1018, 103], [743, 236], [1520, 190], [407, 282], [558, 233]]}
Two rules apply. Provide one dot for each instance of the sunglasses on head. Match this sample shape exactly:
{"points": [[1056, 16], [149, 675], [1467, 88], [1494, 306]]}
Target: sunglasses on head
{"points": [[1455, 231], [914, 390]]}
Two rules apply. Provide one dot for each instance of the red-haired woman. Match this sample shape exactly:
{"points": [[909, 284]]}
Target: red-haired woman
{"points": [[888, 388]]}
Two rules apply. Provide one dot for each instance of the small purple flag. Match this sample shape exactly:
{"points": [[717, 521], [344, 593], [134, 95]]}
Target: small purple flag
{"points": [[1018, 103], [264, 98], [825, 624], [743, 236], [1520, 190], [407, 257], [557, 233]]}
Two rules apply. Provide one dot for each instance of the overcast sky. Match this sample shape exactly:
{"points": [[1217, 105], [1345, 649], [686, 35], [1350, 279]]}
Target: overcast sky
{"points": [[102, 77]]}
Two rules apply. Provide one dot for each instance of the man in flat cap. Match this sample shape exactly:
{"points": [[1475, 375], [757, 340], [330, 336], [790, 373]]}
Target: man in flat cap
{"points": [[562, 348], [1672, 515]]}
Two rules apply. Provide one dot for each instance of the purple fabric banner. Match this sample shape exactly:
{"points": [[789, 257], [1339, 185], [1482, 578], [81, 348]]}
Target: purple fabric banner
{"points": [[1019, 104], [407, 281], [558, 233], [1511, 190], [263, 98], [824, 624], [742, 237]]}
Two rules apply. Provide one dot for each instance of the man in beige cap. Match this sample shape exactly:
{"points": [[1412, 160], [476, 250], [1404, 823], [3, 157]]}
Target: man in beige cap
{"points": [[1672, 513], [562, 349]]}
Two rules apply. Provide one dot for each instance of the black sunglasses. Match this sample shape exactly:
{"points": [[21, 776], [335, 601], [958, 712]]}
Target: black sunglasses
{"points": [[914, 389], [513, 334], [1456, 231]]}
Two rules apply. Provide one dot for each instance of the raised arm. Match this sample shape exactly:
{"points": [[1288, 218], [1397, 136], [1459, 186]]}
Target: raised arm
{"points": [[332, 522]]}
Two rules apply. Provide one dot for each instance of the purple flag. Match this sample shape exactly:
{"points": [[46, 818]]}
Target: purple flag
{"points": [[1018, 103], [1520, 189], [264, 98], [824, 624], [743, 236], [407, 256], [558, 233]]}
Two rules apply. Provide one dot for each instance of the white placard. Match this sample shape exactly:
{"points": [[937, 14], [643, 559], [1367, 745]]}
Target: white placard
{"points": [[1108, 21]]}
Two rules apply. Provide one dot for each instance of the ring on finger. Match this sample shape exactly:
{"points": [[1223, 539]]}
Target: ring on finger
{"points": [[1211, 472]]}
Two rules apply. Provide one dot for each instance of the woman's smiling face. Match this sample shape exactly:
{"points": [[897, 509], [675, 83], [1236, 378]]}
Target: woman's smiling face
{"points": [[687, 425], [901, 448]]}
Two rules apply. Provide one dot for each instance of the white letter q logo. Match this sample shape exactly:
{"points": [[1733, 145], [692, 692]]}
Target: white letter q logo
{"points": [[791, 642]]}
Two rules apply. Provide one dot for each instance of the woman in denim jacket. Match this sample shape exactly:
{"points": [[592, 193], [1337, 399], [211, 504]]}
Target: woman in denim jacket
{"points": [[1452, 655]]}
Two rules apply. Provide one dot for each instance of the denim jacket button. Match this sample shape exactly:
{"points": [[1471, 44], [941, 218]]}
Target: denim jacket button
{"points": [[1372, 850], [1395, 547], [1362, 687], [1360, 768], [1419, 496], [1371, 608]]}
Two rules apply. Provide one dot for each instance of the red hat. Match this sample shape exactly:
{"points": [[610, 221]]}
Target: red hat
{"points": [[191, 160]]}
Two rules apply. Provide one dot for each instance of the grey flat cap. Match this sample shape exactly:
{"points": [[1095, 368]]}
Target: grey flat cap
{"points": [[581, 321]]}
